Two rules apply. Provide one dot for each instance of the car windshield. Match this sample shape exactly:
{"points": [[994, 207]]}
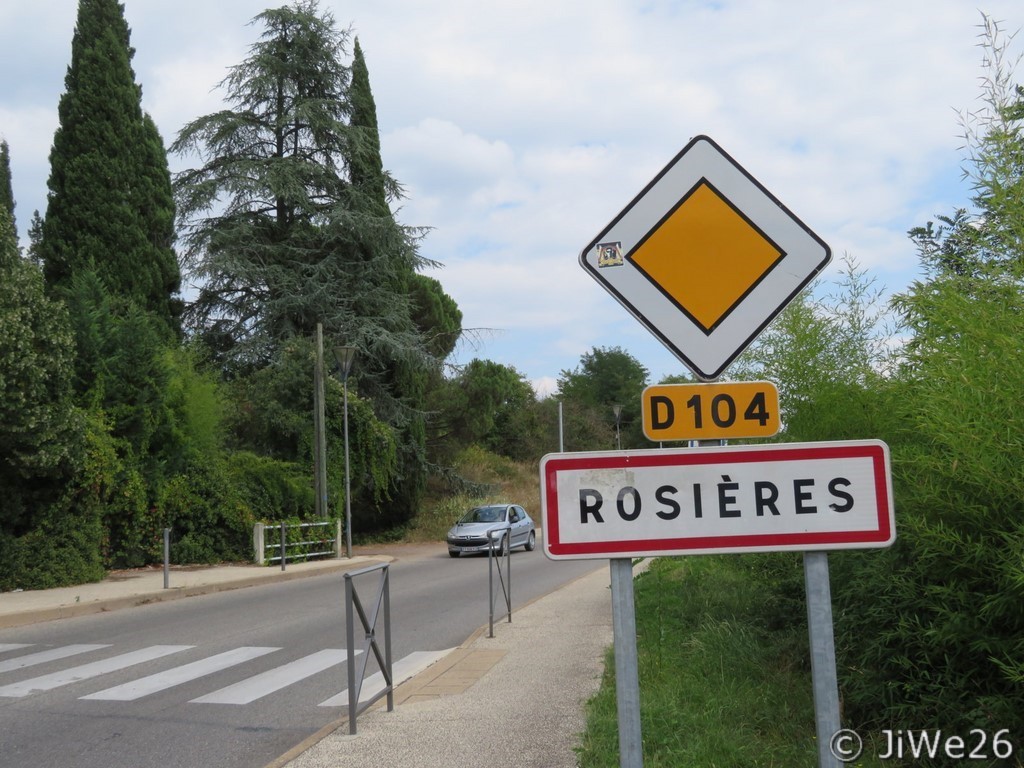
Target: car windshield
{"points": [[484, 515]]}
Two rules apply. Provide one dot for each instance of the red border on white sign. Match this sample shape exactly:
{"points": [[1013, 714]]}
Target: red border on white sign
{"points": [[874, 528]]}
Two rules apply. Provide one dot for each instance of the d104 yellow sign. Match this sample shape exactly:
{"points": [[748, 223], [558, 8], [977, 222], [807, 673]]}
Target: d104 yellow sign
{"points": [[711, 411]]}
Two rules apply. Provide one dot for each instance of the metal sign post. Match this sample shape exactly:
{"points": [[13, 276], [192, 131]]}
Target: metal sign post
{"points": [[627, 676], [823, 655]]}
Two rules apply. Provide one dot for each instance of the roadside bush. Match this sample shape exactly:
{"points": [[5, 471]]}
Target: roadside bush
{"points": [[196, 411], [67, 544], [63, 549], [940, 642], [271, 489], [132, 526], [269, 413], [373, 459], [211, 507], [208, 520]]}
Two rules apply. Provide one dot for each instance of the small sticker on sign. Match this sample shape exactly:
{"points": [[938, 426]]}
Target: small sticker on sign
{"points": [[609, 255]]}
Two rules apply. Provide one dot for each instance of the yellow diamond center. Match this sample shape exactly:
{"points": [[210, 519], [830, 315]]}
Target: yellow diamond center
{"points": [[706, 256]]}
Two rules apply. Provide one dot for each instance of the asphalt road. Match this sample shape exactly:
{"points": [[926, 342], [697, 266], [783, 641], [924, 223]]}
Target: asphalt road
{"points": [[233, 679]]}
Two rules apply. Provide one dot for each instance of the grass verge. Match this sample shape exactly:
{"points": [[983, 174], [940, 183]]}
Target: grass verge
{"points": [[719, 686]]}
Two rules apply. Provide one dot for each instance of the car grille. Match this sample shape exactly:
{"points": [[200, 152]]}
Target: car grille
{"points": [[469, 541]]}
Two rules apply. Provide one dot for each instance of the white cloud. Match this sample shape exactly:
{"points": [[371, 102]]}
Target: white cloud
{"points": [[545, 386], [444, 158]]}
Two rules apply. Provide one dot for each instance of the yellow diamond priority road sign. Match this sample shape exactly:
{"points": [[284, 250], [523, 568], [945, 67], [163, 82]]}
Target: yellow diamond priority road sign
{"points": [[705, 257]]}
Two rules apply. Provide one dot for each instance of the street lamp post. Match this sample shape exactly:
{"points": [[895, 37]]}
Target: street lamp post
{"points": [[618, 418], [345, 356]]}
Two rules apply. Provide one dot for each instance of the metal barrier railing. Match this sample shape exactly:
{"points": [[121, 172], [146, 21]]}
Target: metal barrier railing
{"points": [[354, 606], [297, 550], [494, 564]]}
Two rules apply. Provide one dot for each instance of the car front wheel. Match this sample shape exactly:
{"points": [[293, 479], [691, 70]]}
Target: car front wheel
{"points": [[531, 542], [453, 553]]}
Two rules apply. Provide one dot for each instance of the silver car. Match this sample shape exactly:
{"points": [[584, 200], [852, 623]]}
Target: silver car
{"points": [[472, 532]]}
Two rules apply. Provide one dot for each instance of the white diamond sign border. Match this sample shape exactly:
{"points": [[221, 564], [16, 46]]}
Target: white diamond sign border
{"points": [[707, 354]]}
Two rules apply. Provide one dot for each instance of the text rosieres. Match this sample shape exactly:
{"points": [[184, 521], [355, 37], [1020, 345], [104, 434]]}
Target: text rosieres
{"points": [[764, 500]]}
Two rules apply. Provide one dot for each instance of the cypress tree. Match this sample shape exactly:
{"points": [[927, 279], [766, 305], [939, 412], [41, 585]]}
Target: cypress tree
{"points": [[157, 210], [365, 166], [6, 187], [109, 205], [106, 248], [407, 376]]}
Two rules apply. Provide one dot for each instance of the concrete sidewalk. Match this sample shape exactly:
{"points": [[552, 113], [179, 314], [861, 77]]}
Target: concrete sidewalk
{"points": [[515, 699], [124, 589]]}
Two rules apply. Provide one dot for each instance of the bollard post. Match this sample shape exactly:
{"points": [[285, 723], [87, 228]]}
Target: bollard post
{"points": [[283, 537], [167, 558]]}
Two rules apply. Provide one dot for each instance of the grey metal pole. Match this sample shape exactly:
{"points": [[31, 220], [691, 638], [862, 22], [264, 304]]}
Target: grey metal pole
{"points": [[320, 423], [167, 558], [348, 489], [627, 676], [386, 587], [283, 545], [350, 643], [823, 655], [508, 577], [490, 585]]}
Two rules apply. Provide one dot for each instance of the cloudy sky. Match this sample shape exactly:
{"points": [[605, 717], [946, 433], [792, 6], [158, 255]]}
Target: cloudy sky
{"points": [[520, 128]]}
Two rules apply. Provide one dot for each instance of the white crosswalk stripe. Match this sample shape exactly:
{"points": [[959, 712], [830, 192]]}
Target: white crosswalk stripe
{"points": [[245, 691], [274, 680], [161, 681], [401, 670], [42, 657], [86, 671]]}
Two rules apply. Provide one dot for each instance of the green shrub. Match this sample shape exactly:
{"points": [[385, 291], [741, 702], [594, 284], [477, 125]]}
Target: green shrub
{"points": [[212, 506], [208, 518], [270, 488], [196, 411], [66, 545], [63, 549], [132, 525], [930, 632]]}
